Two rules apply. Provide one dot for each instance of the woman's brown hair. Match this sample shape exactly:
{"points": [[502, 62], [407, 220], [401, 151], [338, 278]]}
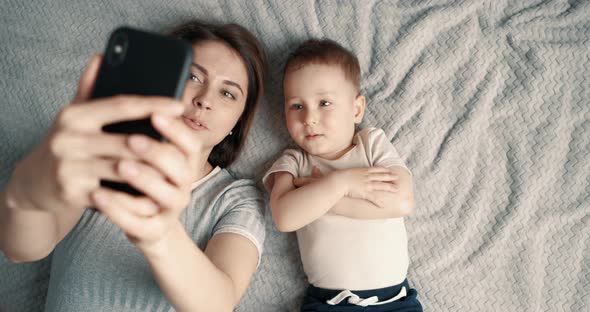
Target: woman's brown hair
{"points": [[250, 49]]}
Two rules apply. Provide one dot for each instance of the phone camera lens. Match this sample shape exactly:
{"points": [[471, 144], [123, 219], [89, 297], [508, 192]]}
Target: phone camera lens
{"points": [[118, 49]]}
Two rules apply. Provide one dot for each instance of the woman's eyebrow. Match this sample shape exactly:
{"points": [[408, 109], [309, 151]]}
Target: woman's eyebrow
{"points": [[235, 84], [201, 68]]}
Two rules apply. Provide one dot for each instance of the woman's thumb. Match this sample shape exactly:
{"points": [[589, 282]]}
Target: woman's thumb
{"points": [[86, 83]]}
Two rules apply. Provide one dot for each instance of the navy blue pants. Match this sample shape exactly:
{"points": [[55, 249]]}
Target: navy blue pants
{"points": [[315, 300]]}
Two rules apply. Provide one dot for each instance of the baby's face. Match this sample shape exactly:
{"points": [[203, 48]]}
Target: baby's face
{"points": [[321, 108]]}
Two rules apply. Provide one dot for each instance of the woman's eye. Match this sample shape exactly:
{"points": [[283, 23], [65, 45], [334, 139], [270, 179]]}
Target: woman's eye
{"points": [[228, 95], [297, 106], [194, 77], [325, 103]]}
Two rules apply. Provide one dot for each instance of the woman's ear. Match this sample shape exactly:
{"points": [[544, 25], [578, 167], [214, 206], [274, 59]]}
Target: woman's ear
{"points": [[359, 108]]}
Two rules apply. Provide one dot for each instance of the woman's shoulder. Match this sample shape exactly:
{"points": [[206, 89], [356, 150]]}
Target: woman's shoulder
{"points": [[224, 193], [229, 184]]}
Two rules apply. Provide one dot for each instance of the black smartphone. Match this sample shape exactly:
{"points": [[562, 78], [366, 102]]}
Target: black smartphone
{"points": [[136, 62]]}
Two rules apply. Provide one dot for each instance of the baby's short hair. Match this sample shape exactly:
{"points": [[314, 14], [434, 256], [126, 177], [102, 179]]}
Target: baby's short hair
{"points": [[325, 52]]}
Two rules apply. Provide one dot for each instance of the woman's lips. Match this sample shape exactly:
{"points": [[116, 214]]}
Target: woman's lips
{"points": [[196, 125]]}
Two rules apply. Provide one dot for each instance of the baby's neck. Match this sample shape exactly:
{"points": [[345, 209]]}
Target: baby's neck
{"points": [[338, 154]]}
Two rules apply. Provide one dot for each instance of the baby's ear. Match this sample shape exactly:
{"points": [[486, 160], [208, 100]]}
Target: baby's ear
{"points": [[359, 108]]}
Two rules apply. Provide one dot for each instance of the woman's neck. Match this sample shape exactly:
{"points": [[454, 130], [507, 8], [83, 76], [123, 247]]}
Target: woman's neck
{"points": [[203, 166], [205, 170]]}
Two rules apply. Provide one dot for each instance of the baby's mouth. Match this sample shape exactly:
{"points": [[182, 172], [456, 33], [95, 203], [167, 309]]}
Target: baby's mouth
{"points": [[313, 136]]}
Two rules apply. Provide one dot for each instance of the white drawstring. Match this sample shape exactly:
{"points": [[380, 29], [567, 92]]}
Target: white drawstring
{"points": [[363, 302]]}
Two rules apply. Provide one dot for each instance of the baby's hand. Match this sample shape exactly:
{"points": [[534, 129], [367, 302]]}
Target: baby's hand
{"points": [[315, 175], [362, 183]]}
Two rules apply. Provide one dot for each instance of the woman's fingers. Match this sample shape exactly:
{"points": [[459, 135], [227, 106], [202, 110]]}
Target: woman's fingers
{"points": [[87, 80], [139, 206], [131, 214], [93, 115], [177, 133], [76, 179], [81, 145], [100, 168], [86, 173], [150, 182], [165, 157]]}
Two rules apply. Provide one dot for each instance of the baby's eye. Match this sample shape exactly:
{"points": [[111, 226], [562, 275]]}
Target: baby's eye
{"points": [[296, 106], [228, 94], [325, 103]]}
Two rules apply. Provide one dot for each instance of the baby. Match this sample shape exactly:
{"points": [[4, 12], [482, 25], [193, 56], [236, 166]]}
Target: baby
{"points": [[344, 193]]}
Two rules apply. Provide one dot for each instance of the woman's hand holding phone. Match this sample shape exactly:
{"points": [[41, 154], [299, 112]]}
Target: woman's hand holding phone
{"points": [[163, 171], [90, 146], [62, 172]]}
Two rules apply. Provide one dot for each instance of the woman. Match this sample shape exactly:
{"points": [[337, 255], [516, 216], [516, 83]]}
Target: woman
{"points": [[194, 240]]}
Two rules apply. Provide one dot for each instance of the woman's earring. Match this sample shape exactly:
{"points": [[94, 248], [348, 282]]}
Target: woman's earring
{"points": [[230, 132]]}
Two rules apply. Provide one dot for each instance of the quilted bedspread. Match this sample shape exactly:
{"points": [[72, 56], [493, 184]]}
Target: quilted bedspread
{"points": [[488, 103]]}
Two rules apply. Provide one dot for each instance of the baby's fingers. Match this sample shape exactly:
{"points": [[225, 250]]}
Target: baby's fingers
{"points": [[299, 182], [384, 187], [373, 199], [388, 176], [316, 173]]}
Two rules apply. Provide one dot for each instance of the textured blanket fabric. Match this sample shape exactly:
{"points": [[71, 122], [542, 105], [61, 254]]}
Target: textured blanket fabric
{"points": [[488, 102]]}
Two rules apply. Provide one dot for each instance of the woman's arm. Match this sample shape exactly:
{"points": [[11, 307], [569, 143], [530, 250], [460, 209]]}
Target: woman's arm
{"points": [[193, 280], [35, 213], [17, 239]]}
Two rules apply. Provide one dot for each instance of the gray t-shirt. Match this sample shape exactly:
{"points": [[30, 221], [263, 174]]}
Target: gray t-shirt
{"points": [[96, 268]]}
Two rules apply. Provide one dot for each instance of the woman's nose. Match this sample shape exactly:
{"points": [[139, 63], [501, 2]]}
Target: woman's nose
{"points": [[202, 99], [201, 104]]}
